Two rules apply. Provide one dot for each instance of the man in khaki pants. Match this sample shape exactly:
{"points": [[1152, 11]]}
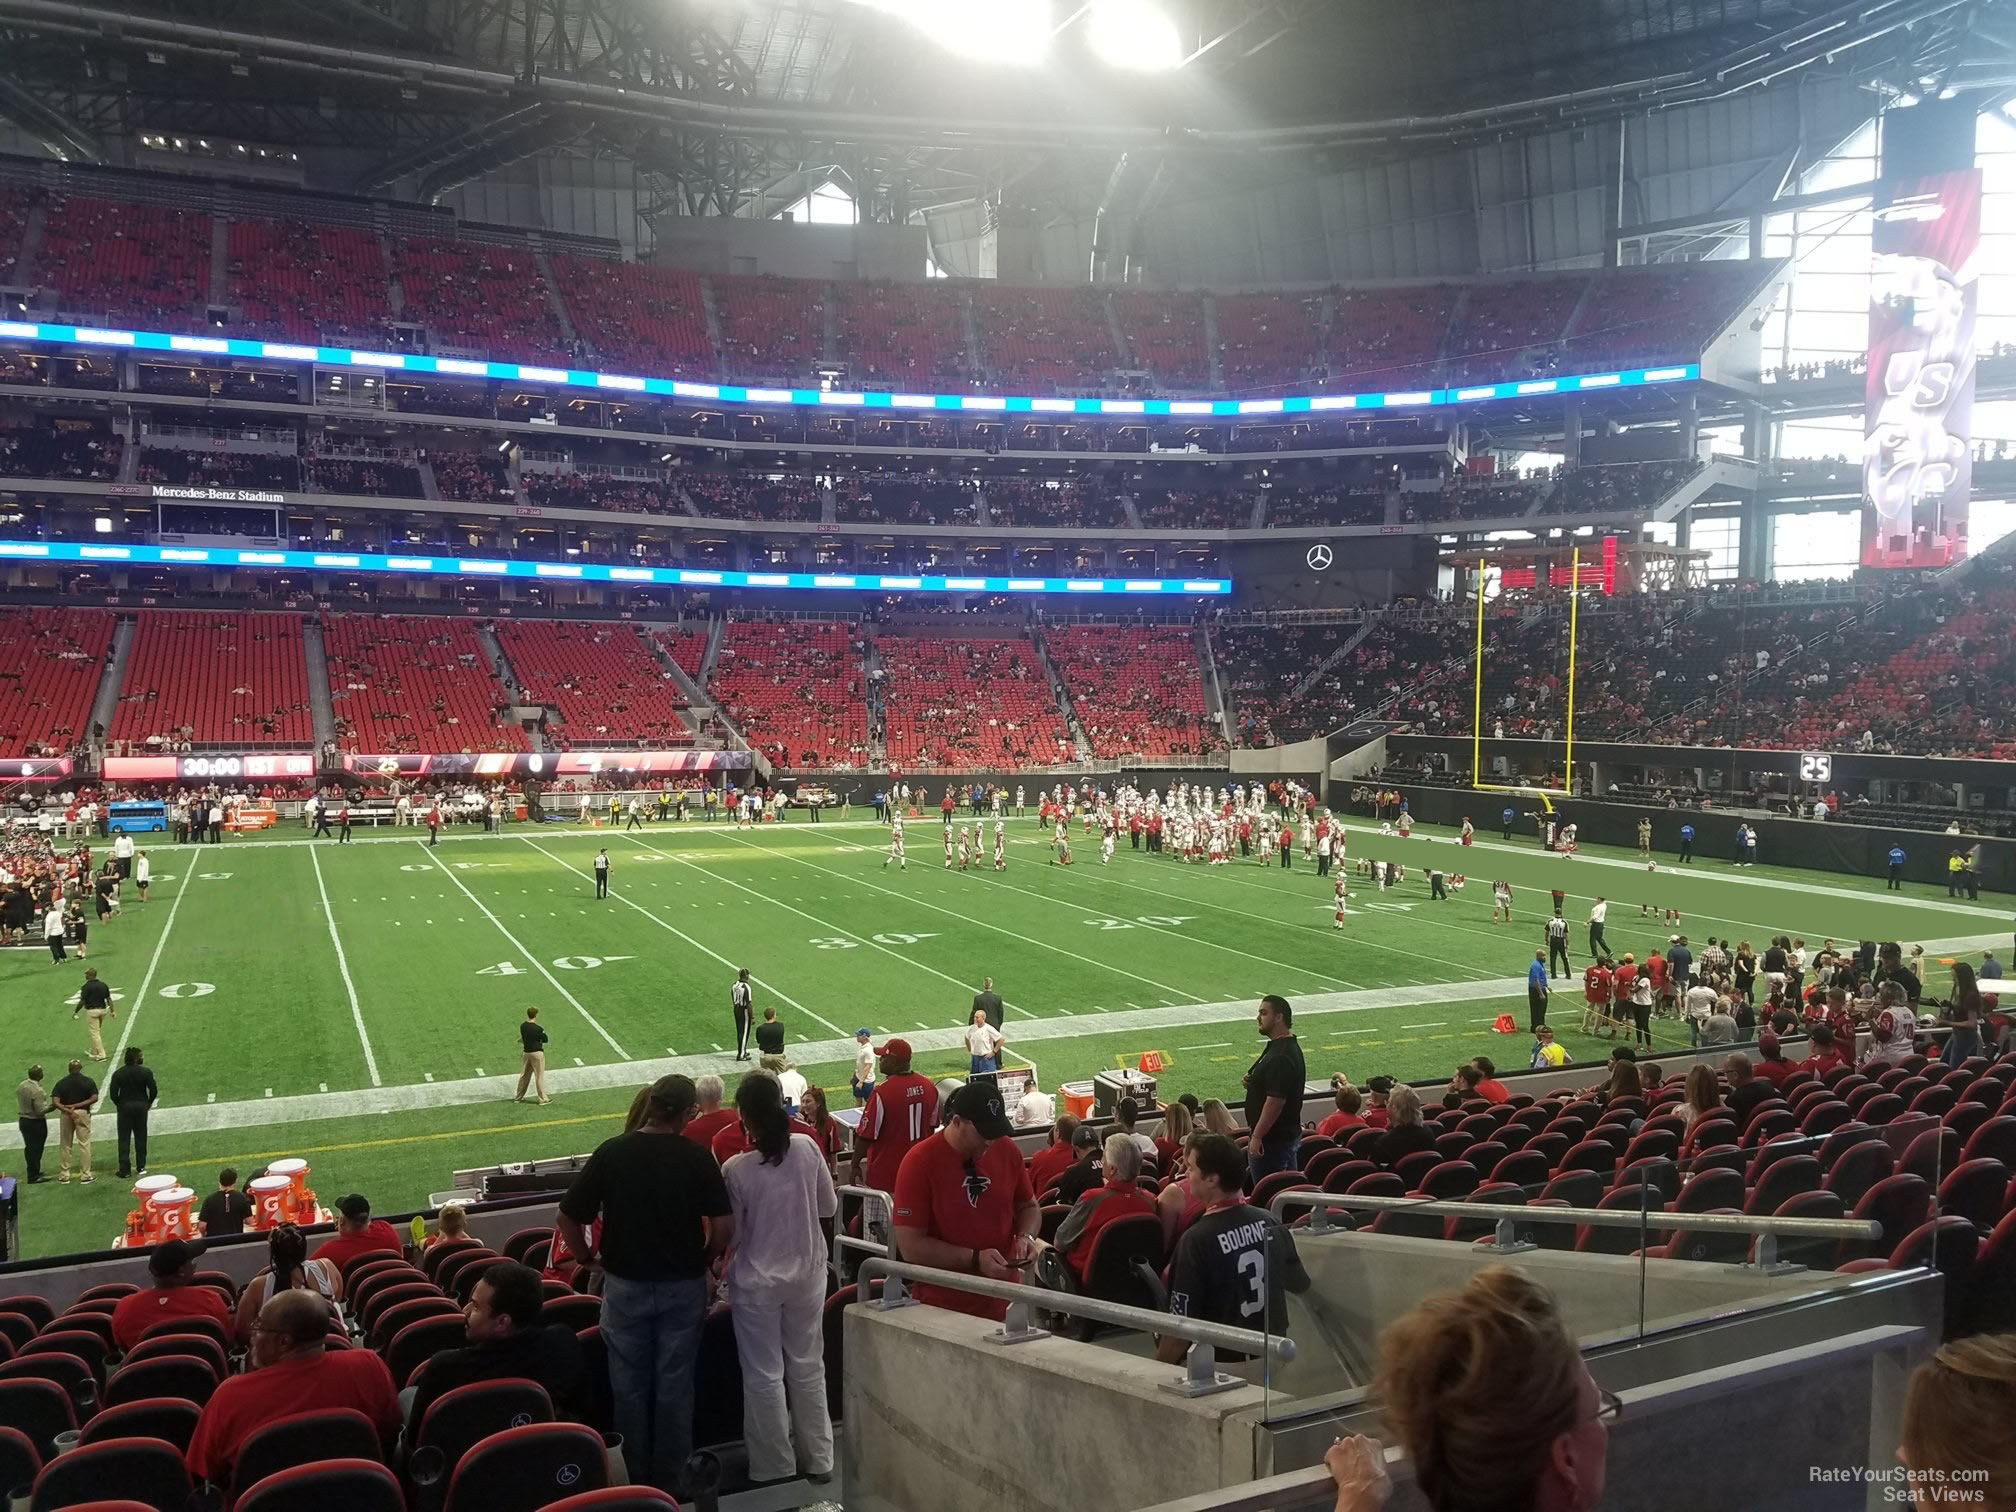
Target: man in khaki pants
{"points": [[534, 1040], [74, 1097], [94, 1001]]}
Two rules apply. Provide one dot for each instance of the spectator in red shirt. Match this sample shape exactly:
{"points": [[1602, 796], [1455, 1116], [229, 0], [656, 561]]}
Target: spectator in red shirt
{"points": [[712, 1117], [1377, 1090], [1827, 1054], [357, 1233], [900, 1114], [963, 1201], [1346, 1117], [1120, 1197], [1489, 1087], [1771, 1063], [175, 1294], [1050, 1162], [291, 1371], [1470, 1082]]}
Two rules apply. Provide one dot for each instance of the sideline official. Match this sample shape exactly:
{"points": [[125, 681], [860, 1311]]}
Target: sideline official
{"points": [[602, 874], [742, 1000]]}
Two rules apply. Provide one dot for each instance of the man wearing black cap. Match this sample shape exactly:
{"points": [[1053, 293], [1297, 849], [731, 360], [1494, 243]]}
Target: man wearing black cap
{"points": [[963, 1201], [357, 1233], [176, 1293]]}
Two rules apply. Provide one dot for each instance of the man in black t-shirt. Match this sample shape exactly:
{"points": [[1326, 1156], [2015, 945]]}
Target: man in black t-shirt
{"points": [[532, 1039], [770, 1034], [1083, 1174], [225, 1210], [506, 1342], [665, 1215], [1274, 1092], [1234, 1264]]}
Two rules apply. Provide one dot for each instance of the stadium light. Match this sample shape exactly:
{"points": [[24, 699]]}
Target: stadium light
{"points": [[1134, 34], [997, 31]]}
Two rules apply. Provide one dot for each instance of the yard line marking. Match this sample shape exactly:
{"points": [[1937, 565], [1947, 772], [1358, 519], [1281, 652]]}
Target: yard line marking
{"points": [[978, 923], [479, 1072], [1065, 1011], [211, 1098], [670, 1051], [1436, 1025], [269, 1091], [343, 970], [613, 1075], [719, 1050], [828, 924], [133, 1013], [671, 928], [922, 1025], [539, 965], [1217, 1045], [881, 1028], [429, 1076], [1373, 1030], [579, 1062], [325, 1086]]}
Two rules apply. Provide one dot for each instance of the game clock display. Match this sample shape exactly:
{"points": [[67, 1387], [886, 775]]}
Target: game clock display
{"points": [[236, 766]]}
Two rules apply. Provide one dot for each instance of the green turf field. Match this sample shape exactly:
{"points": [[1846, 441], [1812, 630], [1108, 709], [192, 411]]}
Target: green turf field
{"points": [[358, 1004]]}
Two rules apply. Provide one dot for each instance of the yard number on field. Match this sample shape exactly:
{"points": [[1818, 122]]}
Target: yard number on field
{"points": [[564, 963], [1149, 921], [840, 942]]}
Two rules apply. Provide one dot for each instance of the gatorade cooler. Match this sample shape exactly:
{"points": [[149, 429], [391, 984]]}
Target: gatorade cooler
{"points": [[1077, 1098], [170, 1213], [299, 1204], [270, 1200], [144, 1190]]}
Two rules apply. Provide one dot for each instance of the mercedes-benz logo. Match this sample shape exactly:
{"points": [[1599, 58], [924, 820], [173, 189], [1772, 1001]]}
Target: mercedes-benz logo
{"points": [[1319, 558]]}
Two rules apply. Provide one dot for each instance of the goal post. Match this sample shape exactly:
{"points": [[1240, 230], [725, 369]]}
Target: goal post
{"points": [[1477, 691]]}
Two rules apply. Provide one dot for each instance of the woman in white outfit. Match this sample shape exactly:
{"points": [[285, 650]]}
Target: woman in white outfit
{"points": [[780, 1189]]}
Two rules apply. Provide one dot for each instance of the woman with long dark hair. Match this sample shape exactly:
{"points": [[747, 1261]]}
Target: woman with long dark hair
{"points": [[1963, 1012], [288, 1268], [825, 1127], [782, 1193]]}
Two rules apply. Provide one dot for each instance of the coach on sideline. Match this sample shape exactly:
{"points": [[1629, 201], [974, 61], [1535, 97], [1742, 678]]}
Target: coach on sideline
{"points": [[533, 1038]]}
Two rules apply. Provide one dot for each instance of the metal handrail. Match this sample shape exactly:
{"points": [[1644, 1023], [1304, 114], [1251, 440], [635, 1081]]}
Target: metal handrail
{"points": [[843, 1242], [1200, 1375], [1502, 1213]]}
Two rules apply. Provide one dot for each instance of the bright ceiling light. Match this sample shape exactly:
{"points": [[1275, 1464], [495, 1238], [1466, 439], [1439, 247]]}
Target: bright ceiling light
{"points": [[992, 31], [1134, 34]]}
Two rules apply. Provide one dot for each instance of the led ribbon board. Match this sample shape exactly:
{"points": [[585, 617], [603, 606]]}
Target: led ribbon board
{"points": [[593, 572], [621, 385]]}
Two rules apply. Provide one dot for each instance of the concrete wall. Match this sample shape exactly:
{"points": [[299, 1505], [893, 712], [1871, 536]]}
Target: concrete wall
{"points": [[936, 1419]]}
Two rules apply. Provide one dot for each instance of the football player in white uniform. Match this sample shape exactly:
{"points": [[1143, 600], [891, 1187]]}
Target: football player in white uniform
{"points": [[896, 845], [1000, 846]]}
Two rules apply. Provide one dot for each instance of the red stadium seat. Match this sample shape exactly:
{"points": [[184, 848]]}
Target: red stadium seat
{"points": [[525, 1469], [144, 1470], [304, 1438], [170, 1419], [334, 1485]]}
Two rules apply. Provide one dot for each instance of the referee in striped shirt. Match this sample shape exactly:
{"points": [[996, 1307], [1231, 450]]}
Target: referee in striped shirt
{"points": [[743, 1001]]}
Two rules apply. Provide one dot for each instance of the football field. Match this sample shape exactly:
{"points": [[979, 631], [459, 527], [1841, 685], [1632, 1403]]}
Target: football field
{"points": [[358, 1004]]}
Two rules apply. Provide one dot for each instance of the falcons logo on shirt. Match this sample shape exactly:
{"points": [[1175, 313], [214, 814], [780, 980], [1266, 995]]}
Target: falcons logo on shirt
{"points": [[977, 1185]]}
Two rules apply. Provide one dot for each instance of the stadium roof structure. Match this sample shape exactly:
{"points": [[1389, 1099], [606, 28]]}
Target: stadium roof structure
{"points": [[717, 101]]}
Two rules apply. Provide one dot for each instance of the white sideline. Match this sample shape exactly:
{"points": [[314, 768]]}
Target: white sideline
{"points": [[538, 965], [343, 969], [365, 1102]]}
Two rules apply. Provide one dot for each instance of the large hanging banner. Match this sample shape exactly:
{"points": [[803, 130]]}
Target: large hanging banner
{"points": [[1917, 469]]}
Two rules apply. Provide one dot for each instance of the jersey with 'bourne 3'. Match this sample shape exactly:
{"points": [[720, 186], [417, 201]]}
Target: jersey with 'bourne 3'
{"points": [[1234, 1266]]}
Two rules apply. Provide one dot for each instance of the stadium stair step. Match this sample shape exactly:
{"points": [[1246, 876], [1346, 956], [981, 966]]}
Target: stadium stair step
{"points": [[1120, 349], [220, 258], [430, 486], [969, 333], [1062, 695], [395, 291], [697, 707], [1207, 659], [1133, 513], [105, 702], [1213, 353], [553, 300], [711, 308], [23, 272], [1301, 689], [321, 704], [717, 629]]}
